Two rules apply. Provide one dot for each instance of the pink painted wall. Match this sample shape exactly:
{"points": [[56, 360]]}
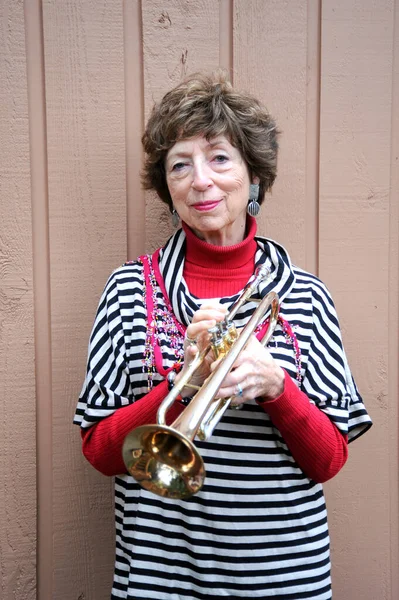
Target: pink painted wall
{"points": [[78, 79]]}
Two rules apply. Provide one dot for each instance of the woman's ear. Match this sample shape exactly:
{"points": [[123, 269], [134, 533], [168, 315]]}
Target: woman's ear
{"points": [[255, 180]]}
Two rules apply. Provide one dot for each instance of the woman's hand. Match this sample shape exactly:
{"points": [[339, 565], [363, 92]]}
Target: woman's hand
{"points": [[255, 372], [203, 319]]}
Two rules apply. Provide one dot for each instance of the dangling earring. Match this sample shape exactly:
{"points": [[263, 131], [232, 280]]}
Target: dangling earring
{"points": [[253, 207], [175, 218]]}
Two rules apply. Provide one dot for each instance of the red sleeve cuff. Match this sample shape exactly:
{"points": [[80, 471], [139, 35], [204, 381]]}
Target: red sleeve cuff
{"points": [[290, 401], [314, 441]]}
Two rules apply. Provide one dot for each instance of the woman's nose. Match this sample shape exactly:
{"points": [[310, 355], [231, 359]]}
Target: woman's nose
{"points": [[201, 177]]}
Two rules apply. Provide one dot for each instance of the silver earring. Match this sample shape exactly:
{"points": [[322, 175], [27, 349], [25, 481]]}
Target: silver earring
{"points": [[175, 218], [253, 207]]}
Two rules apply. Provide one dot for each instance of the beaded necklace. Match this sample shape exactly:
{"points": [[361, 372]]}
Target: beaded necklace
{"points": [[160, 320]]}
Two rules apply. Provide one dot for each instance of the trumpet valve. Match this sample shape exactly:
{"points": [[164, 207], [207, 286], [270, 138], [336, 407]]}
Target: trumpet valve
{"points": [[218, 341], [231, 332]]}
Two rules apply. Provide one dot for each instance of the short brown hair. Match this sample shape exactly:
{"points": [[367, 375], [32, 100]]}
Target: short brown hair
{"points": [[208, 105]]}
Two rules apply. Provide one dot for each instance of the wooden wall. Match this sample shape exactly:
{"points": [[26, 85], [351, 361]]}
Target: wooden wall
{"points": [[77, 80]]}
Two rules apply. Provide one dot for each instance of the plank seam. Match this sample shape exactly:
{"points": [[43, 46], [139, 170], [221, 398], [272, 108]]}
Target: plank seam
{"points": [[134, 125], [393, 308], [34, 41], [226, 36], [313, 109]]}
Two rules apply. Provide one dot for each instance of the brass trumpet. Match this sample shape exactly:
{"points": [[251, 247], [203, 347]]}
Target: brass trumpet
{"points": [[163, 459]]}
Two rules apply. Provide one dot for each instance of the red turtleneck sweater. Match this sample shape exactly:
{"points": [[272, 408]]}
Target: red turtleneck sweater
{"points": [[232, 266], [314, 441]]}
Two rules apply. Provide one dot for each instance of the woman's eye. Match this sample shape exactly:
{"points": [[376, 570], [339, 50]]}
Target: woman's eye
{"points": [[178, 166], [220, 158]]}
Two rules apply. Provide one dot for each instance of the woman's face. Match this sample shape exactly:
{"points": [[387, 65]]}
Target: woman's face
{"points": [[209, 185]]}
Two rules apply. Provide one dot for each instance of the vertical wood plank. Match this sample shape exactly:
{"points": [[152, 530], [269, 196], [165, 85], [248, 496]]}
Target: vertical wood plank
{"points": [[134, 119], [179, 38], [84, 58], [271, 61], [226, 36], [312, 136], [393, 317], [41, 280], [355, 149], [17, 377]]}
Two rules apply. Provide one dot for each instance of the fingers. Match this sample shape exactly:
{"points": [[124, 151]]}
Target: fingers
{"points": [[238, 383], [203, 319], [253, 374], [254, 355], [190, 352], [209, 312], [197, 338]]}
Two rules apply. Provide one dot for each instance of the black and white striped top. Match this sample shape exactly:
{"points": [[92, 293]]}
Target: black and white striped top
{"points": [[258, 528]]}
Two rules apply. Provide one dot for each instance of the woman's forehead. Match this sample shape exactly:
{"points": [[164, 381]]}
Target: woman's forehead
{"points": [[189, 145]]}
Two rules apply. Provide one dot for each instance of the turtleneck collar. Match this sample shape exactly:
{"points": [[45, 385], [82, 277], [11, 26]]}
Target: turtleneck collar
{"points": [[202, 254]]}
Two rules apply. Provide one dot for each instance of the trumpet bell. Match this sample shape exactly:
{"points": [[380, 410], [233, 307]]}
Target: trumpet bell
{"points": [[163, 461]]}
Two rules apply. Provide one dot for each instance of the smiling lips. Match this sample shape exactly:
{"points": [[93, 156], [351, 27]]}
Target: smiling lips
{"points": [[206, 206]]}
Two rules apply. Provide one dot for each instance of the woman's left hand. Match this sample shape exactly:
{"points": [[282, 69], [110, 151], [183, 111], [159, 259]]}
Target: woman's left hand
{"points": [[255, 372]]}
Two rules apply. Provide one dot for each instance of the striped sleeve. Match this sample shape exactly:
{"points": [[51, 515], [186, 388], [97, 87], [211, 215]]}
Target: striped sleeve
{"points": [[328, 381], [107, 384]]}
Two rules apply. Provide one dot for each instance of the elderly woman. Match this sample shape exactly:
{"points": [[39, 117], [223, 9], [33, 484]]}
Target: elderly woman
{"points": [[258, 527]]}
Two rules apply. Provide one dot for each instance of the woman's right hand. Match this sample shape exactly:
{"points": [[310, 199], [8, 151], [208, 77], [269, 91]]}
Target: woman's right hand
{"points": [[203, 319]]}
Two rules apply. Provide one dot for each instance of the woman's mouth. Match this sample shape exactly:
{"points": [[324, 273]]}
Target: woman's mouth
{"points": [[206, 206]]}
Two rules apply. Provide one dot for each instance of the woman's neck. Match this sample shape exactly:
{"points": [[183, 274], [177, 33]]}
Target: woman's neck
{"points": [[209, 255], [215, 271]]}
